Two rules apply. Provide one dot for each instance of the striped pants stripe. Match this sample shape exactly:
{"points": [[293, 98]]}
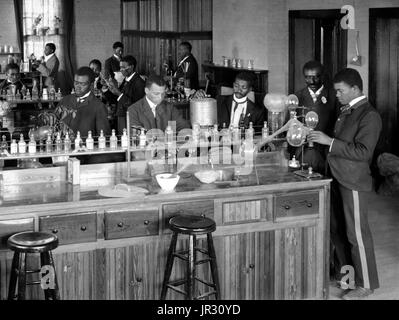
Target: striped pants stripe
{"points": [[351, 236]]}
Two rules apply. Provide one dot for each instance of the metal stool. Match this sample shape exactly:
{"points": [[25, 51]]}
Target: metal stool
{"points": [[192, 226], [33, 242]]}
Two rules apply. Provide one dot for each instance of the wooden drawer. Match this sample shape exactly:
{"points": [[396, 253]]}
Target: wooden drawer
{"points": [[297, 204], [200, 208], [132, 223], [10, 227], [71, 227]]}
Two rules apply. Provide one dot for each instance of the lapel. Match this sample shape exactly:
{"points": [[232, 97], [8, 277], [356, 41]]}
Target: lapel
{"points": [[229, 106], [161, 115], [148, 113]]}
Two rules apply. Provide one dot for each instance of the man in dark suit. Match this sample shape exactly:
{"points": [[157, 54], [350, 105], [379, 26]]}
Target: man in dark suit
{"points": [[351, 149], [49, 64], [131, 90], [13, 78], [236, 109], [152, 112], [317, 96], [112, 64], [82, 111], [188, 66]]}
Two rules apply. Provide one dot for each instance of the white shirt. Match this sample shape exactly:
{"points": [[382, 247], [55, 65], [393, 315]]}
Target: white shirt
{"points": [[241, 109], [47, 58], [152, 105], [314, 95], [180, 63], [117, 57], [79, 99], [127, 80], [352, 103]]}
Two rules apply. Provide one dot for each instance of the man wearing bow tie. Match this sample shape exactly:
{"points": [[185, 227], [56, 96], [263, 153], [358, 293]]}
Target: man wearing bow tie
{"points": [[112, 64], [351, 148], [236, 109], [188, 66], [83, 111], [316, 96]]}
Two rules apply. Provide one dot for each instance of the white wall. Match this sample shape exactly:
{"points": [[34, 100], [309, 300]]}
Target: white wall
{"points": [[8, 30], [97, 27]]}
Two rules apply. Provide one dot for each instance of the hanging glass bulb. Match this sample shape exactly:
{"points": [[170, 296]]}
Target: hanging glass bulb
{"points": [[296, 135], [311, 119]]}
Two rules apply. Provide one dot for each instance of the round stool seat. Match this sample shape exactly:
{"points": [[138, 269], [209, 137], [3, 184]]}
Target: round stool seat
{"points": [[30, 241], [189, 224]]}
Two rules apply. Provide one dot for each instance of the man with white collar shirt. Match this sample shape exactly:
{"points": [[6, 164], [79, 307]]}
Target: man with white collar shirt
{"points": [[112, 64], [237, 110], [49, 65], [131, 90], [350, 152], [188, 66]]}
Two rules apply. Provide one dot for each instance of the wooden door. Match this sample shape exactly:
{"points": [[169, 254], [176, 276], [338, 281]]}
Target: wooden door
{"points": [[383, 76]]}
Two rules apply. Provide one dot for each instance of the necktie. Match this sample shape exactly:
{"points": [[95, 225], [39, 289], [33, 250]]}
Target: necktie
{"points": [[345, 108]]}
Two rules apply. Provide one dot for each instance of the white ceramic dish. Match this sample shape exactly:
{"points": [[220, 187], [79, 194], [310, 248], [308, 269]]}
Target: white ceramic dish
{"points": [[206, 176], [167, 181]]}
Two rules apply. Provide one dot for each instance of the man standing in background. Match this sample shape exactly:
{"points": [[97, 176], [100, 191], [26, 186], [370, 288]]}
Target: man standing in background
{"points": [[112, 64]]}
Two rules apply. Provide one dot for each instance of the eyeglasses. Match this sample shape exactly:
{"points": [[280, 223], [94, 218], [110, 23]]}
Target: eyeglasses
{"points": [[78, 83]]}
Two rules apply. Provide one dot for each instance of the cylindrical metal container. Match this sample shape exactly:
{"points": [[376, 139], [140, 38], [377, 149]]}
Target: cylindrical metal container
{"points": [[203, 111]]}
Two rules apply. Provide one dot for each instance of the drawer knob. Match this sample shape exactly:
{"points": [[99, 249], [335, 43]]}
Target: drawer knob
{"points": [[83, 228], [251, 266], [287, 207], [120, 224], [309, 204], [54, 231], [146, 222], [203, 215]]}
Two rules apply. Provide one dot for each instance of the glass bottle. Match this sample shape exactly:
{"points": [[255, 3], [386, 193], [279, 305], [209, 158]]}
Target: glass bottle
{"points": [[35, 93], [14, 147], [58, 143], [21, 144], [113, 140], [49, 143], [168, 135], [142, 139], [265, 130], [215, 134], [4, 144], [78, 140], [89, 141], [124, 139], [32, 144], [249, 133], [67, 143], [101, 141]]}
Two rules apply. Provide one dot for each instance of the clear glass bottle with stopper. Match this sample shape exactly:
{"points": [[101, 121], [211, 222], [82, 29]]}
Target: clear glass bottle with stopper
{"points": [[142, 139], [101, 141], [21, 144], [4, 144], [89, 141], [58, 142], [14, 147], [32, 144], [113, 140], [265, 130], [124, 139], [67, 143], [49, 143], [78, 141]]}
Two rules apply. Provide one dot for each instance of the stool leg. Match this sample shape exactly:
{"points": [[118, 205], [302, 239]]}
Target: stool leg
{"points": [[22, 277], [169, 265], [56, 295], [13, 276], [191, 268], [214, 268], [51, 290]]}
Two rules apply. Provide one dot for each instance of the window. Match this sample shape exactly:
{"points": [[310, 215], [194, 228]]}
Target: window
{"points": [[42, 24]]}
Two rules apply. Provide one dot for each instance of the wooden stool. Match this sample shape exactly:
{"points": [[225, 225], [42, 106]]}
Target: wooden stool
{"points": [[192, 226], [33, 242]]}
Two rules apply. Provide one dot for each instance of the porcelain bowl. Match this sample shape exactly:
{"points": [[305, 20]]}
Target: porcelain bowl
{"points": [[167, 181]]}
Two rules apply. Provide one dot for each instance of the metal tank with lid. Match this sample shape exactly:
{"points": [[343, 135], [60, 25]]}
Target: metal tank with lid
{"points": [[203, 111]]}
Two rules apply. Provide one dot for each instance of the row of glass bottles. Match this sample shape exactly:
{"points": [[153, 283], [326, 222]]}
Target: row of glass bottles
{"points": [[62, 145], [26, 94]]}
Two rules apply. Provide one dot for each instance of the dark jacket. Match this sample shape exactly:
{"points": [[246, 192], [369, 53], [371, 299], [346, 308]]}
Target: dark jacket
{"points": [[133, 91], [356, 134], [110, 66], [253, 113], [5, 84], [140, 115], [90, 114], [192, 72]]}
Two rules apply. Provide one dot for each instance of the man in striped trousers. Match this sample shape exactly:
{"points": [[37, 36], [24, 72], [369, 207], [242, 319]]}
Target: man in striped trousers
{"points": [[351, 149]]}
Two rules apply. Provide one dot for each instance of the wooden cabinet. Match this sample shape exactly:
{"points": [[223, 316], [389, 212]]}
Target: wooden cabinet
{"points": [[71, 227], [297, 204], [12, 226], [132, 223]]}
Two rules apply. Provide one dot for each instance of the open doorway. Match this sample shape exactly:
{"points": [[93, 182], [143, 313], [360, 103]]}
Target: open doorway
{"points": [[315, 35], [384, 74]]}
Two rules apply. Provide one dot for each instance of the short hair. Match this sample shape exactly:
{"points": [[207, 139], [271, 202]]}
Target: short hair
{"points": [[131, 61], [350, 76], [95, 61], [51, 46], [246, 76], [313, 64], [86, 71], [154, 78], [117, 44], [12, 66], [187, 45]]}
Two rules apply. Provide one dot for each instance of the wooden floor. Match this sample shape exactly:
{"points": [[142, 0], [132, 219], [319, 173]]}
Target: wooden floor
{"points": [[384, 224]]}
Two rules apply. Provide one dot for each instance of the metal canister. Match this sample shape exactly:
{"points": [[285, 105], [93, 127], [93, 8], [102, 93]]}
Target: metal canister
{"points": [[203, 111]]}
